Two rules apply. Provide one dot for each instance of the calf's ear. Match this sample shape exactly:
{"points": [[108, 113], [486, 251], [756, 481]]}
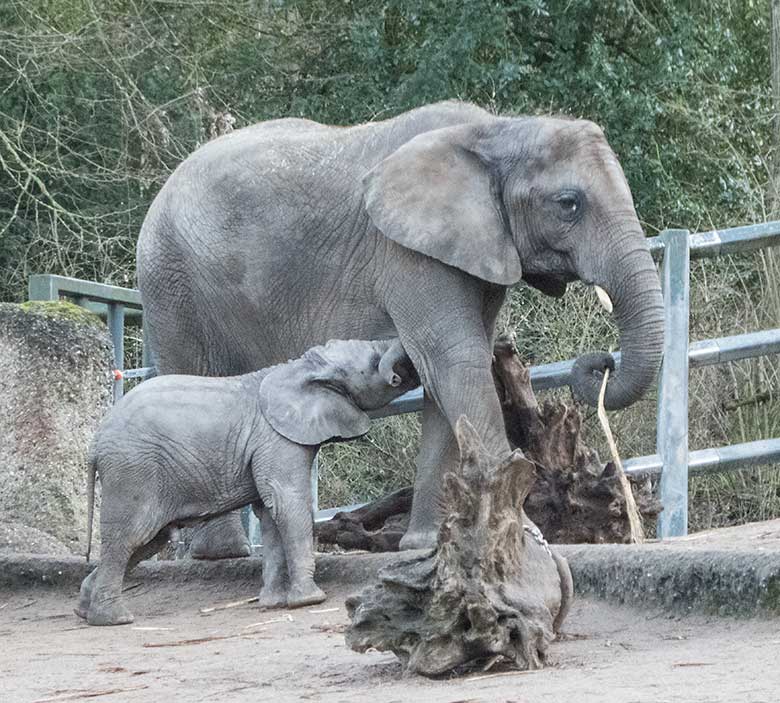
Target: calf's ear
{"points": [[307, 405]]}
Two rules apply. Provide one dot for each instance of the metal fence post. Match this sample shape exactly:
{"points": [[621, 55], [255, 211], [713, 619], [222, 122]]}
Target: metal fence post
{"points": [[672, 430], [116, 327], [42, 287], [251, 527]]}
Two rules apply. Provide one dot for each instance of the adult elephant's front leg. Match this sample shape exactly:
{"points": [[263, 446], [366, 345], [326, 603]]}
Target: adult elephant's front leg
{"points": [[438, 454], [458, 382]]}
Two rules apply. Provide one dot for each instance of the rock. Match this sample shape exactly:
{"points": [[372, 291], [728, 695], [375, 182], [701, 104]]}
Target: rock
{"points": [[55, 387], [17, 538]]}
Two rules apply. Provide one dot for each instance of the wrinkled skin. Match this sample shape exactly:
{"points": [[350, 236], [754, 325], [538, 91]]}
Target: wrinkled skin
{"points": [[284, 234], [178, 449]]}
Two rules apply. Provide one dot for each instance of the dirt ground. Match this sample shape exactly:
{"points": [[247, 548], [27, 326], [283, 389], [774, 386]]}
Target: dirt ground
{"points": [[174, 653]]}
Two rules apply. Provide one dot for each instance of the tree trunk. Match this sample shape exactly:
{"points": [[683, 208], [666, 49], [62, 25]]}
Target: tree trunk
{"points": [[376, 527]]}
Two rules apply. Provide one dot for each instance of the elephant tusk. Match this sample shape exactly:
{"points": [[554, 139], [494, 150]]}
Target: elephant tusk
{"points": [[604, 298]]}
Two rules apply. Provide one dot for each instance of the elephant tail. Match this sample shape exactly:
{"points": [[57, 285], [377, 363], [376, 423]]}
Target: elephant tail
{"points": [[91, 474]]}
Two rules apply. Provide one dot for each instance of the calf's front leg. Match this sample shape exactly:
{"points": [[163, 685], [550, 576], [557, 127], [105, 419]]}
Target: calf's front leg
{"points": [[285, 491], [273, 594]]}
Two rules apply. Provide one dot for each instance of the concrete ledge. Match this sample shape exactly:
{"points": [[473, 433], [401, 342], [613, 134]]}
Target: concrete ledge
{"points": [[22, 571], [725, 582], [668, 576]]}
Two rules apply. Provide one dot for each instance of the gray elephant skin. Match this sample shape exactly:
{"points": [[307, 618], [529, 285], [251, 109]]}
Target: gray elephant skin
{"points": [[179, 449], [281, 235]]}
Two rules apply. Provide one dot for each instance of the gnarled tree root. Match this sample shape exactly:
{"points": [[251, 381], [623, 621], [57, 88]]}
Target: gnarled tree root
{"points": [[490, 589], [575, 498]]}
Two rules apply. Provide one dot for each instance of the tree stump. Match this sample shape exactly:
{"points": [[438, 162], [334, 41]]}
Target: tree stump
{"points": [[490, 590], [575, 498]]}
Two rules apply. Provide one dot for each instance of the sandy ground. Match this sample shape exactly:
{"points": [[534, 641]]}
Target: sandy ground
{"points": [[607, 654]]}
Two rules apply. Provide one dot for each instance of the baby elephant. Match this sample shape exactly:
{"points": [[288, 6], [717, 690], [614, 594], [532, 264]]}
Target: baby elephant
{"points": [[181, 449]]}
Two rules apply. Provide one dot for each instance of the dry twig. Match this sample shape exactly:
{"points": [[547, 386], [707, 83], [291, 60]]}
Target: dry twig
{"points": [[78, 695], [226, 606]]}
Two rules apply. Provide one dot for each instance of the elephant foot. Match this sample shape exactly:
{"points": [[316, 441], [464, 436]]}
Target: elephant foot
{"points": [[85, 596], [272, 598], [305, 594], [418, 540], [109, 614], [221, 538]]}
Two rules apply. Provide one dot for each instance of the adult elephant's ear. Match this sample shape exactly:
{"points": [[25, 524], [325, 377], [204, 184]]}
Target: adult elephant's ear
{"points": [[435, 195], [306, 405]]}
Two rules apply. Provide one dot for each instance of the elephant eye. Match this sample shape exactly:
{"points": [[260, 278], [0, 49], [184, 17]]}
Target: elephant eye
{"points": [[570, 204]]}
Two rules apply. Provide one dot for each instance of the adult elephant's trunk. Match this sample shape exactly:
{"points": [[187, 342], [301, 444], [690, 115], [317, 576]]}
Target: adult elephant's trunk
{"points": [[632, 284]]}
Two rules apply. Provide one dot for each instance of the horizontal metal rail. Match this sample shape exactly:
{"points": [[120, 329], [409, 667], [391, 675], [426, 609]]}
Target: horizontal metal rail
{"points": [[735, 240], [139, 373], [702, 461], [546, 376], [96, 297]]}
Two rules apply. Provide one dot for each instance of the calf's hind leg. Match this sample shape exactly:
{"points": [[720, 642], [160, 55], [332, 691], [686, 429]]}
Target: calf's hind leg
{"points": [[105, 601], [123, 544], [145, 552]]}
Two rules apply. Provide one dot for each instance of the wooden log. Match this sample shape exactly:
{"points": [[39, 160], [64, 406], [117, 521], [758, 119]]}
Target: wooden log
{"points": [[490, 590], [376, 527]]}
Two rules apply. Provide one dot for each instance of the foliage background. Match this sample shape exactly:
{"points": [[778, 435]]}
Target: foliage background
{"points": [[101, 99]]}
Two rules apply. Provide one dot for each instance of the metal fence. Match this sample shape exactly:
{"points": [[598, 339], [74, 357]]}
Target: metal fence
{"points": [[112, 302], [673, 461]]}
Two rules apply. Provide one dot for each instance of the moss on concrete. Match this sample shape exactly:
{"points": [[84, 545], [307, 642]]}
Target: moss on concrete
{"points": [[55, 329], [62, 310]]}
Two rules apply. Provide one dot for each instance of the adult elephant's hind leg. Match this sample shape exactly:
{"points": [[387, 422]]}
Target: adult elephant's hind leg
{"points": [[150, 548], [220, 538]]}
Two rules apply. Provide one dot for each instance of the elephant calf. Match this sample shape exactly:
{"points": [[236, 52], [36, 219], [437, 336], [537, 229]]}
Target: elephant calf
{"points": [[181, 449]]}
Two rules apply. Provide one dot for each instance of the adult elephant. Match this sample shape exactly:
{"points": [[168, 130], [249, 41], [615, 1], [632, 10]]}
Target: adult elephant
{"points": [[285, 234]]}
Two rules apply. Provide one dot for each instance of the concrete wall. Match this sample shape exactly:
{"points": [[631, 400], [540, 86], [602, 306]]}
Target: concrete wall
{"points": [[55, 387]]}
